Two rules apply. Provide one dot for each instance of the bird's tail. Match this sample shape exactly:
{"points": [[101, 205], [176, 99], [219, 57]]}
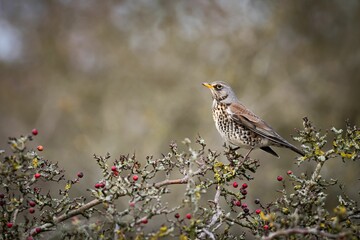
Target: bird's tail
{"points": [[295, 149]]}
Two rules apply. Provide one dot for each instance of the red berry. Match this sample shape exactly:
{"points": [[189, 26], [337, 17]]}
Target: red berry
{"points": [[279, 178], [32, 203], [144, 221], [266, 227], [102, 184], [40, 148], [2, 195], [289, 172], [116, 173], [188, 216], [9, 224], [177, 215], [34, 132], [80, 174], [37, 230], [131, 204], [244, 186], [31, 210], [97, 185], [135, 177], [258, 211], [37, 175], [113, 168], [235, 184], [237, 203], [244, 205]]}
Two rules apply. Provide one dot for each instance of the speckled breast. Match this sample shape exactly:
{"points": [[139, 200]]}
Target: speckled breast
{"points": [[231, 131]]}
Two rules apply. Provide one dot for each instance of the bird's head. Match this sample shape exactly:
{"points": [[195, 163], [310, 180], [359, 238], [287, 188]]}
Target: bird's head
{"points": [[221, 91]]}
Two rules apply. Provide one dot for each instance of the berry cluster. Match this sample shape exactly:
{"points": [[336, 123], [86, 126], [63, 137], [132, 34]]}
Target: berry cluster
{"points": [[243, 191]]}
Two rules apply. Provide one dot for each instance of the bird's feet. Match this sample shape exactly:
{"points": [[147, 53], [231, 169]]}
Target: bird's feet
{"points": [[230, 149], [247, 154], [234, 149]]}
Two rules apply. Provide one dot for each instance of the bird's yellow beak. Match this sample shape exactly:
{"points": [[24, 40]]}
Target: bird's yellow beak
{"points": [[207, 85]]}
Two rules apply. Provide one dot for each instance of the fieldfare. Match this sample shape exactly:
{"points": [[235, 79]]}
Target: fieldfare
{"points": [[239, 126]]}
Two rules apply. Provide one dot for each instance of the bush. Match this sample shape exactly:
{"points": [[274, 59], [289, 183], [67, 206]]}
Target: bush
{"points": [[27, 212]]}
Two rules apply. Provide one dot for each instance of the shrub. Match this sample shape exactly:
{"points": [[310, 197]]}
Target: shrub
{"points": [[26, 211]]}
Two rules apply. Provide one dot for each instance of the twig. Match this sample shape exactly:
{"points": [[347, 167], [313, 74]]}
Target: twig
{"points": [[172, 181], [14, 216], [215, 217], [66, 216], [207, 232], [304, 231], [218, 209], [315, 175], [308, 187], [183, 180], [242, 224]]}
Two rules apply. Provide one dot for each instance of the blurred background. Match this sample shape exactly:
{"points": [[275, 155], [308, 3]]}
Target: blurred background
{"points": [[125, 76]]}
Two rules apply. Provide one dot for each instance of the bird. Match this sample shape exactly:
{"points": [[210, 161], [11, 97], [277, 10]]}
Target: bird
{"points": [[239, 126]]}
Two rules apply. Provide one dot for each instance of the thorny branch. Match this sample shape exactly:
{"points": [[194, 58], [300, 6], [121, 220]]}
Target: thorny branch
{"points": [[295, 214], [96, 202], [183, 180], [215, 217], [305, 231]]}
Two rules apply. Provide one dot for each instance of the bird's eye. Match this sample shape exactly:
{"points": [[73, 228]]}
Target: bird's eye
{"points": [[218, 87]]}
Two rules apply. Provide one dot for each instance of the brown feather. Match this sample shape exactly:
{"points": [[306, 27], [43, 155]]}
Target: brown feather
{"points": [[269, 150], [248, 119]]}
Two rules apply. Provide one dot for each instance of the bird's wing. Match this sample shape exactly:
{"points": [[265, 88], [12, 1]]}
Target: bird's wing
{"points": [[248, 119]]}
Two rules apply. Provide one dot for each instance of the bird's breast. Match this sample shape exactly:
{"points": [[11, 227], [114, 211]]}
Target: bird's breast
{"points": [[231, 131]]}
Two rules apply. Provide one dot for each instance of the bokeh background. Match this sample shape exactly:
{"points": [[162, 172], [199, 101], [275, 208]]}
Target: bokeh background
{"points": [[125, 76]]}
